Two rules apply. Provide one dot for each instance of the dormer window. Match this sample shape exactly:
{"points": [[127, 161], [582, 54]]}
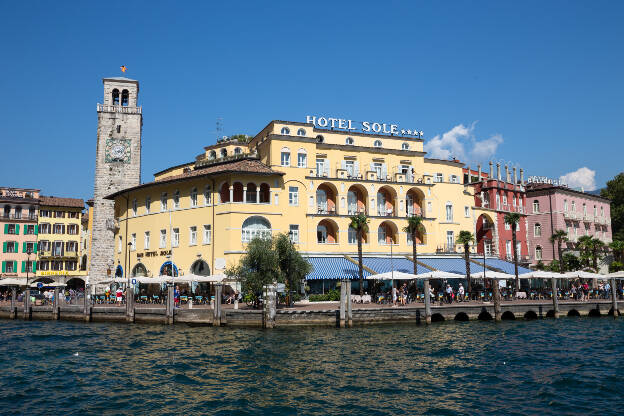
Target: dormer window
{"points": [[213, 154], [377, 143], [405, 146], [223, 152], [349, 141], [301, 132], [125, 98], [285, 131], [115, 96], [320, 139], [237, 151]]}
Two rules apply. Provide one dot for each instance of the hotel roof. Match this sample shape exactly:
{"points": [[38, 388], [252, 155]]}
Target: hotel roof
{"points": [[53, 201], [249, 166], [536, 187]]}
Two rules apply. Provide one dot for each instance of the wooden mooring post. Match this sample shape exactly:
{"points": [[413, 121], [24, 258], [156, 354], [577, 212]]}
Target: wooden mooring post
{"points": [[13, 313], [216, 311], [27, 307], [269, 306], [130, 304], [555, 298], [170, 305], [614, 303], [55, 305], [498, 316], [427, 301]]}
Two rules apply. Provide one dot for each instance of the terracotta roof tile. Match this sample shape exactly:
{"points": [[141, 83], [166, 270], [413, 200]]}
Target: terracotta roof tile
{"points": [[61, 202]]}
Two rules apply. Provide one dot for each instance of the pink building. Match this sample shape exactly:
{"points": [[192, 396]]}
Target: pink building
{"points": [[18, 228], [553, 208]]}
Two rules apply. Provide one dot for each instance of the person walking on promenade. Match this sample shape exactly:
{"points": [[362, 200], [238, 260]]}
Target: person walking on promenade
{"points": [[585, 292], [119, 296], [176, 297], [394, 296], [449, 293], [460, 293]]}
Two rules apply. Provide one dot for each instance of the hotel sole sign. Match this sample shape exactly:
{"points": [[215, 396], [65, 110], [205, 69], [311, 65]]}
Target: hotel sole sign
{"points": [[363, 126]]}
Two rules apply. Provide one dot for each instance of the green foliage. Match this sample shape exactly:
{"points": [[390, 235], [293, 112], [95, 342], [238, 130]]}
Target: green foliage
{"points": [[512, 218], [241, 138], [332, 295], [591, 250], [615, 193], [359, 222], [554, 266], [267, 261], [616, 266], [540, 265], [571, 262], [559, 237], [618, 250], [465, 237], [414, 225]]}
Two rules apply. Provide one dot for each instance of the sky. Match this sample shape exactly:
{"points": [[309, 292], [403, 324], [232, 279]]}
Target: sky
{"points": [[534, 84]]}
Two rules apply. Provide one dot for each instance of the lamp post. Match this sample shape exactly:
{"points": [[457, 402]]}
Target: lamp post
{"points": [[28, 252]]}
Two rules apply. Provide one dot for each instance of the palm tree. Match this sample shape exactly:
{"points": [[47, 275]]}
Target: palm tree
{"points": [[465, 238], [618, 249], [559, 237], [513, 218], [359, 223], [413, 228], [595, 247], [584, 246]]}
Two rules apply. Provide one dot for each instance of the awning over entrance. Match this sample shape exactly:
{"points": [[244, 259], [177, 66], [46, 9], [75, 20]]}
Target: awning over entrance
{"points": [[450, 264], [333, 268], [505, 266], [386, 264]]}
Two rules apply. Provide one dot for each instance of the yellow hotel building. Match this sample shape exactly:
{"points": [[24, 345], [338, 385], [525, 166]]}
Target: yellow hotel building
{"points": [[290, 178]]}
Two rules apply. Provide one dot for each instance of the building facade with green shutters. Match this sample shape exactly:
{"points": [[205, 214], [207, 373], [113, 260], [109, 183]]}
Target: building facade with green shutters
{"points": [[19, 209]]}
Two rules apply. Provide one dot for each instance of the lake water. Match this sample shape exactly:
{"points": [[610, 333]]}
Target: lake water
{"points": [[569, 366]]}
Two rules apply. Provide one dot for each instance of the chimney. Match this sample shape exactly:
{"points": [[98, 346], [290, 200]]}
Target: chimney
{"points": [[515, 178], [479, 177], [490, 174], [469, 175], [498, 171], [521, 176]]}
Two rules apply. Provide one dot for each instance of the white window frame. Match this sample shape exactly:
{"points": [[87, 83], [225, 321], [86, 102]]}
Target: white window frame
{"points": [[302, 159], [175, 237], [163, 239], [193, 198], [176, 199], [163, 202], [148, 204], [285, 158], [293, 196], [467, 211], [133, 242], [537, 230], [193, 235], [293, 233], [207, 238], [134, 207], [207, 195], [449, 213], [146, 240], [536, 207]]}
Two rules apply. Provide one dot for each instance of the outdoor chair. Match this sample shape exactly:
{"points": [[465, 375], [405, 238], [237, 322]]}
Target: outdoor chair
{"points": [[155, 299], [183, 299], [143, 299], [199, 300]]}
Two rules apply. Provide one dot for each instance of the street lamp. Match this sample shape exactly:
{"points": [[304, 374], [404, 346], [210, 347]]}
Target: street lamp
{"points": [[127, 264], [28, 252]]}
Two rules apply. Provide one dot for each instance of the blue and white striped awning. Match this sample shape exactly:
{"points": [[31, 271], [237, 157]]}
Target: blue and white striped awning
{"points": [[505, 266], [387, 264], [333, 268], [451, 265]]}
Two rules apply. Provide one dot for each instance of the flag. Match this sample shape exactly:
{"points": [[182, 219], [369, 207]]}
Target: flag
{"points": [[123, 68]]}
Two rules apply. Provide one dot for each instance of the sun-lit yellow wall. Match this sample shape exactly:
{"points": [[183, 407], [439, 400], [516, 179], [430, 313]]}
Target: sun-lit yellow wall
{"points": [[226, 219], [65, 237]]}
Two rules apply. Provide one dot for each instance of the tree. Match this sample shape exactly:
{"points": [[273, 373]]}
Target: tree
{"points": [[359, 223], [413, 229], [615, 193], [269, 260], [465, 238], [570, 262], [559, 237], [292, 267], [259, 266], [618, 250], [590, 248], [513, 218]]}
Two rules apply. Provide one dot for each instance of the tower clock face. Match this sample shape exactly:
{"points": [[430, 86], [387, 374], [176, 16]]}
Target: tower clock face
{"points": [[118, 150]]}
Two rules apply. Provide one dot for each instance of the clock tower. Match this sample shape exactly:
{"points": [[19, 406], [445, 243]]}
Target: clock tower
{"points": [[117, 167]]}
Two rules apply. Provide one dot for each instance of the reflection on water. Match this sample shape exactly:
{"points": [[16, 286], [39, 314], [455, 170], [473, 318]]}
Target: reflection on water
{"points": [[570, 366]]}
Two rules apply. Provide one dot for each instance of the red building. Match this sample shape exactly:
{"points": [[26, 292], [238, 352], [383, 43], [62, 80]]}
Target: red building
{"points": [[499, 195]]}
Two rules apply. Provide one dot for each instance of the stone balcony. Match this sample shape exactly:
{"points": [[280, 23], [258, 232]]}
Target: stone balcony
{"points": [[106, 108]]}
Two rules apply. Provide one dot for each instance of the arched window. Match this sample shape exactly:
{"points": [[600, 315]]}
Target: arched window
{"points": [[223, 152], [536, 206], [538, 253], [139, 270], [285, 131], [265, 193], [224, 193], [449, 212], [405, 146], [115, 96], [320, 139], [537, 230], [377, 143], [125, 98], [285, 156], [168, 269], [200, 268], [302, 158], [237, 151], [301, 132], [119, 271], [321, 234], [255, 227], [321, 200], [349, 141], [213, 154]]}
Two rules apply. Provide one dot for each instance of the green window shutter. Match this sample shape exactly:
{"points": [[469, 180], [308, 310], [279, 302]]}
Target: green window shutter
{"points": [[23, 267], [15, 266], [34, 269], [16, 229], [24, 247], [36, 229], [3, 266], [35, 247], [6, 228], [25, 229], [16, 248], [4, 247]]}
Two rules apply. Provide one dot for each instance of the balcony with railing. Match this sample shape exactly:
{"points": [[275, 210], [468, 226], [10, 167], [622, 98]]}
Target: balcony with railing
{"points": [[107, 108]]}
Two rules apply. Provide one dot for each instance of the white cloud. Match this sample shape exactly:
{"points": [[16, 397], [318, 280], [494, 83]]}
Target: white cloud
{"points": [[581, 178], [460, 142]]}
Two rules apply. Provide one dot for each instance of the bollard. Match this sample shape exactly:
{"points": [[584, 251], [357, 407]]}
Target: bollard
{"points": [[190, 302], [427, 301], [614, 304], [349, 306], [497, 300], [217, 305], [268, 307], [236, 303], [55, 305], [170, 304], [27, 304], [13, 307], [555, 299], [86, 308], [343, 304], [130, 304]]}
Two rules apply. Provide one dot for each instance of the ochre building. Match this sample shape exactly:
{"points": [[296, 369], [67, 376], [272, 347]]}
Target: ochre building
{"points": [[290, 178]]}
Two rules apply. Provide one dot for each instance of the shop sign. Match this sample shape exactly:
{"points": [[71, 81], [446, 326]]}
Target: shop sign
{"points": [[362, 126]]}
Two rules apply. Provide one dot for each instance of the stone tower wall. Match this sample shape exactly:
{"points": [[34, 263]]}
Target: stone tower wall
{"points": [[115, 122]]}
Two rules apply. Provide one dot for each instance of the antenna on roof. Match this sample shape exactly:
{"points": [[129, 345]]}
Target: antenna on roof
{"points": [[219, 127]]}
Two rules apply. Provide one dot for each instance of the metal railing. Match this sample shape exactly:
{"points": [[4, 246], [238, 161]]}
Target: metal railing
{"points": [[106, 108]]}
